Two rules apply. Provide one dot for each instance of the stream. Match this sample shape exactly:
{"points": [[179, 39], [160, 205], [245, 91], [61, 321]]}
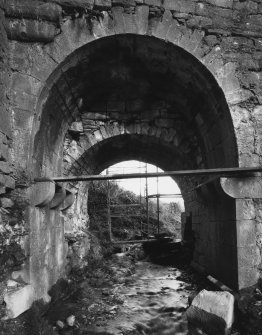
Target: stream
{"points": [[154, 301]]}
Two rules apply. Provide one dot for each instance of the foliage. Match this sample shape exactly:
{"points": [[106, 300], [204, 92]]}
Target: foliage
{"points": [[128, 221]]}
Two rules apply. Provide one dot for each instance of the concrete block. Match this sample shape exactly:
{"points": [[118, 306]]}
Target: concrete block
{"points": [[213, 312], [18, 301]]}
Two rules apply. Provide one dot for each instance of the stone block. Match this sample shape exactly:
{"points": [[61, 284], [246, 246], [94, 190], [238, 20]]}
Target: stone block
{"points": [[59, 197], [76, 127], [200, 22], [156, 3], [5, 124], [32, 10], [42, 193], [247, 6], [69, 200], [22, 275], [213, 312], [221, 3], [4, 167], [141, 17], [246, 233], [124, 3], [184, 6], [3, 151], [163, 26], [103, 4], [243, 188], [6, 203], [248, 257], [9, 182], [18, 301], [25, 83], [31, 30], [245, 209], [88, 4], [247, 277]]}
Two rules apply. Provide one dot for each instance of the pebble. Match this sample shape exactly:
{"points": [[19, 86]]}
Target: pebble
{"points": [[70, 320], [60, 324]]}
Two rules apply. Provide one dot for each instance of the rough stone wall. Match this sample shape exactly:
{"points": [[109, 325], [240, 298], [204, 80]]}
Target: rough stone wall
{"points": [[225, 35], [13, 230]]}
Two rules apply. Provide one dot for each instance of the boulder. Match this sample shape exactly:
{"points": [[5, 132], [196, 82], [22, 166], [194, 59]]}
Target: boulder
{"points": [[18, 301], [213, 312]]}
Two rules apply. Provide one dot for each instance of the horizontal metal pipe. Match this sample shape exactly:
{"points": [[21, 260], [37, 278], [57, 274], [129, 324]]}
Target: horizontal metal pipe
{"points": [[179, 173], [164, 196], [126, 205]]}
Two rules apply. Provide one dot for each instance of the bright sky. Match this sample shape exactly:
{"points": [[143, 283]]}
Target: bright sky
{"points": [[166, 185]]}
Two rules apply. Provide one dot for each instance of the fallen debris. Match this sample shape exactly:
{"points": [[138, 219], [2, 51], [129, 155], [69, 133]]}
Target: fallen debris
{"points": [[213, 312]]}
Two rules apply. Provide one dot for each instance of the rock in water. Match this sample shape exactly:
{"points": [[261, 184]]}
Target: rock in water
{"points": [[213, 312]]}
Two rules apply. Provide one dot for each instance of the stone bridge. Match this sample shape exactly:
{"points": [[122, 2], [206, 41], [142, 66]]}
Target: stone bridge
{"points": [[85, 84]]}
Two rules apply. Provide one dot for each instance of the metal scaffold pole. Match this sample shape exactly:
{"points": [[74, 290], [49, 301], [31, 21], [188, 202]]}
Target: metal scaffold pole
{"points": [[147, 207], [157, 199], [108, 210]]}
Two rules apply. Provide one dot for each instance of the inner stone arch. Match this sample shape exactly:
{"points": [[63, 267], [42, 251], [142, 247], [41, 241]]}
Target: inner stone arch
{"points": [[135, 97]]}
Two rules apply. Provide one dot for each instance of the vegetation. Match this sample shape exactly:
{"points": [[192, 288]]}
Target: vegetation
{"points": [[128, 213]]}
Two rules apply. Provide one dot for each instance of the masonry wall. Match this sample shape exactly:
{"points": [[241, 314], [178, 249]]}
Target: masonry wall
{"points": [[37, 37], [13, 232]]}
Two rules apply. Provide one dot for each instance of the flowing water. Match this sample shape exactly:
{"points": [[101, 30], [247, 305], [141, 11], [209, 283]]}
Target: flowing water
{"points": [[155, 299]]}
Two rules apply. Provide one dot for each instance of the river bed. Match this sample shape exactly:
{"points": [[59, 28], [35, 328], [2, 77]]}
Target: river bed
{"points": [[156, 297]]}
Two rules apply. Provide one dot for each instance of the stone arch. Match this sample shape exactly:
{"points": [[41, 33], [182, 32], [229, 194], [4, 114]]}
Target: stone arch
{"points": [[213, 117], [50, 59], [143, 94]]}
